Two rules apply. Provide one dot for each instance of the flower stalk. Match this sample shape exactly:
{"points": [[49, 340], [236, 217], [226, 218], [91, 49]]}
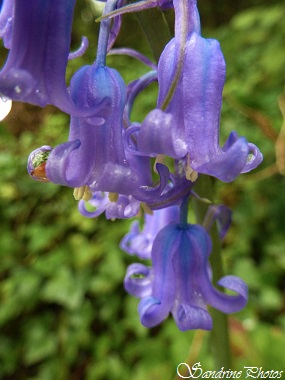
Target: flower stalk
{"points": [[219, 336]]}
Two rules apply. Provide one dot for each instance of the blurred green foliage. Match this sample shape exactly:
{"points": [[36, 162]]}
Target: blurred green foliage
{"points": [[64, 314]]}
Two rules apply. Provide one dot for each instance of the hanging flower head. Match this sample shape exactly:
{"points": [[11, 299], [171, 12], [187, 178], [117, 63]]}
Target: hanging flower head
{"points": [[179, 281], [191, 75], [94, 156], [107, 158]]}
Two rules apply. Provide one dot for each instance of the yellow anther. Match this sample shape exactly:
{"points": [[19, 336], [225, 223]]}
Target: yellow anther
{"points": [[113, 197], [190, 174], [83, 193]]}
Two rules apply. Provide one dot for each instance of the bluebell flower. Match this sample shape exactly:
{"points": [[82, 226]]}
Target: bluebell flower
{"points": [[191, 75], [179, 281], [107, 158], [94, 155], [95, 158], [39, 49], [173, 186]]}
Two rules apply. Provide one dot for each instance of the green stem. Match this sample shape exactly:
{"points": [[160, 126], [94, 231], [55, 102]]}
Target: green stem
{"points": [[219, 336], [155, 29], [184, 212]]}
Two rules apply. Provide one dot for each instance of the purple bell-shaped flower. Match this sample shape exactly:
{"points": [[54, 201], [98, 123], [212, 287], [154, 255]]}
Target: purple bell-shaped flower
{"points": [[179, 280], [95, 154], [191, 75]]}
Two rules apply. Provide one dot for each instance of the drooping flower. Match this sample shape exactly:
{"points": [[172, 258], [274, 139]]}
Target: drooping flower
{"points": [[191, 75], [179, 280], [95, 155], [111, 164], [40, 45]]}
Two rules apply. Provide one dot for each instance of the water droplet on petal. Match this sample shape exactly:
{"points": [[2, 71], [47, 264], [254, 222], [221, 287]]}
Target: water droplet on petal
{"points": [[37, 163]]}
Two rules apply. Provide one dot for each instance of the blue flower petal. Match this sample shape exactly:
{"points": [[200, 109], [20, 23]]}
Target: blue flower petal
{"points": [[225, 302], [138, 280], [191, 318]]}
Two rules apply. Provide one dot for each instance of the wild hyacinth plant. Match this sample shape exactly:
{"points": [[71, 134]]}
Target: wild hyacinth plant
{"points": [[111, 161]]}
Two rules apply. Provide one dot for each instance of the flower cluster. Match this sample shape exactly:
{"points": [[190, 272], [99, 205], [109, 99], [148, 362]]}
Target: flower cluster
{"points": [[118, 165]]}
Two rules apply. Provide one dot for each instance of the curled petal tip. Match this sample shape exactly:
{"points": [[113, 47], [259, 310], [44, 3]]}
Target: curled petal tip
{"points": [[235, 284], [138, 280], [81, 50], [228, 303], [226, 165], [255, 158], [58, 164], [146, 193], [151, 311]]}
